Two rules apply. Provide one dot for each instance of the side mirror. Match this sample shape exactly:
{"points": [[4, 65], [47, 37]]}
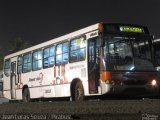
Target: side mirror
{"points": [[152, 37], [158, 68]]}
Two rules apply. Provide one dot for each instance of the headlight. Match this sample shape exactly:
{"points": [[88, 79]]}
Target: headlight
{"points": [[154, 82]]}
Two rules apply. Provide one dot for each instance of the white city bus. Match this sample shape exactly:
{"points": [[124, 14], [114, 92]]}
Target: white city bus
{"points": [[97, 60]]}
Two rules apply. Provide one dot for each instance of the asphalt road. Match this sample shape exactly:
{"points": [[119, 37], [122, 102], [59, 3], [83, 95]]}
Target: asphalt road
{"points": [[140, 109], [3, 100]]}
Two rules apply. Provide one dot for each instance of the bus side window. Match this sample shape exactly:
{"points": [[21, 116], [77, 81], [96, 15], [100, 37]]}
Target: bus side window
{"points": [[62, 53], [7, 67], [1, 86], [19, 66], [37, 60], [77, 49], [27, 63], [48, 57]]}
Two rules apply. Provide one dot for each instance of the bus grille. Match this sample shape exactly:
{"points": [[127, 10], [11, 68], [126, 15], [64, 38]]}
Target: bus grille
{"points": [[135, 82]]}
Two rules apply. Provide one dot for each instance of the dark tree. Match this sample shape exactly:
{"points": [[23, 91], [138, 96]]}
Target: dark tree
{"points": [[17, 44]]}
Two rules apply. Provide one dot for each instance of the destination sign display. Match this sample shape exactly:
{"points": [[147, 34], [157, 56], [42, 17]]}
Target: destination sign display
{"points": [[118, 28], [131, 29]]}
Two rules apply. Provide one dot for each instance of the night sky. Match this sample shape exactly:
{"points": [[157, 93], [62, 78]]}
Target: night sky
{"points": [[37, 21]]}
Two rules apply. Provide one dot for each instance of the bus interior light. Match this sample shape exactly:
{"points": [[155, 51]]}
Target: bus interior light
{"points": [[105, 76]]}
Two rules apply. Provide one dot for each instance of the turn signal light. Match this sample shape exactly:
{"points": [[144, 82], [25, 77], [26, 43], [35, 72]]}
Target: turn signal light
{"points": [[100, 27], [105, 75]]}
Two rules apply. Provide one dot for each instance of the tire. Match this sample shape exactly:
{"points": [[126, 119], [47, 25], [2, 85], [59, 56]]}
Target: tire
{"points": [[26, 95], [78, 92]]}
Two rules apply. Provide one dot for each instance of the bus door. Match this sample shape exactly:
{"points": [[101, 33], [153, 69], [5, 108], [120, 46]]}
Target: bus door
{"points": [[13, 80], [93, 65]]}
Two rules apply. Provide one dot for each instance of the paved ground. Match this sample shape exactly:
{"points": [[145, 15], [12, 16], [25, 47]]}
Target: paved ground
{"points": [[147, 109], [3, 100]]}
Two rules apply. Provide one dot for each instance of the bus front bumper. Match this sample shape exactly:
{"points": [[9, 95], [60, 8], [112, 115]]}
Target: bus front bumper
{"points": [[146, 90]]}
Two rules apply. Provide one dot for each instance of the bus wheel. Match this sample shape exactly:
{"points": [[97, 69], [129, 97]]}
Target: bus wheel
{"points": [[26, 95], [79, 92]]}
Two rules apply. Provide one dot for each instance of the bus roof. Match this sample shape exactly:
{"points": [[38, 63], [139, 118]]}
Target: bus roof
{"points": [[56, 40], [72, 35]]}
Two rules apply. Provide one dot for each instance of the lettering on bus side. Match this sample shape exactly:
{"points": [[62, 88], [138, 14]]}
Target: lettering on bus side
{"points": [[32, 79], [77, 66], [35, 79], [48, 91], [93, 34], [40, 77]]}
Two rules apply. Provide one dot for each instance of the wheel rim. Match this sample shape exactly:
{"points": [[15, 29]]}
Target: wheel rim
{"points": [[79, 94], [26, 96]]}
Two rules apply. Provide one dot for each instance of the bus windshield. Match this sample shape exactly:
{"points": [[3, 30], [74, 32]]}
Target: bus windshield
{"points": [[127, 53]]}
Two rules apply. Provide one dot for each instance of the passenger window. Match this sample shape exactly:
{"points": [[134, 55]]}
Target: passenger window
{"points": [[77, 49], [7, 67], [48, 57], [27, 63], [37, 60], [1, 86], [19, 68], [62, 53]]}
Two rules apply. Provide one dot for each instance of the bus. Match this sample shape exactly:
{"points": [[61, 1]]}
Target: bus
{"points": [[104, 58]]}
